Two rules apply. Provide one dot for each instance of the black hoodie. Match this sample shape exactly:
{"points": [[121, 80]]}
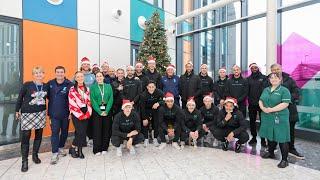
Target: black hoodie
{"points": [[257, 82], [189, 86], [172, 116], [237, 88], [209, 115], [192, 121], [219, 89], [144, 80], [206, 84], [132, 89], [122, 125], [155, 76], [237, 123]]}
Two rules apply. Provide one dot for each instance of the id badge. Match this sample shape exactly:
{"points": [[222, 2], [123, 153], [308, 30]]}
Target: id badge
{"points": [[102, 107]]}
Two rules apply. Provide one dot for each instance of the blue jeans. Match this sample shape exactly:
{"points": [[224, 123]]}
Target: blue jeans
{"points": [[59, 130]]}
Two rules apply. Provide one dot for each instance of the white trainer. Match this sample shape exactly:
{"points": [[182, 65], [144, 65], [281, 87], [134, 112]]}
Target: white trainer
{"points": [[176, 145], [97, 154], [132, 151], [146, 143], [119, 151], [104, 152]]}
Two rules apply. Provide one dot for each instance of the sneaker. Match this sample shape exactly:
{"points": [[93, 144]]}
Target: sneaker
{"points": [[132, 151], [54, 158], [194, 143], [162, 146], [263, 143], [146, 143], [215, 143], [97, 154], [90, 143], [225, 146], [104, 152], [62, 153], [253, 141], [296, 154], [176, 145], [156, 143], [119, 151], [283, 164], [268, 155], [182, 144], [238, 147]]}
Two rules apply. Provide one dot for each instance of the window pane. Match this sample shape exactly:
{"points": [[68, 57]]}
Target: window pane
{"points": [[255, 6], [300, 52], [206, 50], [9, 81], [290, 2], [187, 51]]}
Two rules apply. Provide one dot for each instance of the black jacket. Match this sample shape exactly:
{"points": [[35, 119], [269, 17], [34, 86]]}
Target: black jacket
{"points": [[237, 123], [206, 85], [219, 89], [155, 76], [192, 121], [132, 89], [144, 80], [257, 82], [237, 88], [209, 115], [117, 96], [147, 100], [189, 86], [172, 116], [122, 125]]}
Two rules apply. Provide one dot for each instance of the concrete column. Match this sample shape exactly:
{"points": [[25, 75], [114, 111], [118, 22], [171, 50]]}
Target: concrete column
{"points": [[271, 33]]}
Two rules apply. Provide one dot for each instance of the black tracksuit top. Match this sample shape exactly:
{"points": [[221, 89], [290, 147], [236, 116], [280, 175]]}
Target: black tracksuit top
{"points": [[192, 121], [122, 125], [147, 100], [132, 89], [172, 116], [257, 82], [237, 123], [209, 115], [237, 88]]}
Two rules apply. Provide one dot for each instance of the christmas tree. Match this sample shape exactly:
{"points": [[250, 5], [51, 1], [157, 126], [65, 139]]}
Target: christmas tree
{"points": [[155, 43]]}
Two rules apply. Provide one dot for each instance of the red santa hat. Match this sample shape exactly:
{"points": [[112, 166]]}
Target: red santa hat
{"points": [[168, 96], [208, 97], [223, 69], [253, 65], [85, 60], [125, 102], [151, 59], [191, 101], [95, 66], [171, 66], [231, 100]]}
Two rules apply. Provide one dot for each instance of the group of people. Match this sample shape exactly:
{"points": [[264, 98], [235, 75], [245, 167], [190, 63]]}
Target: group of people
{"points": [[138, 105]]}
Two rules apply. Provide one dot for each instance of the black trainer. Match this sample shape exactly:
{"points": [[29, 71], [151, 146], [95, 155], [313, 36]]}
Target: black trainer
{"points": [[36, 159], [225, 146], [283, 164], [253, 141], [296, 154], [238, 147], [73, 152], [263, 143], [24, 167], [268, 155]]}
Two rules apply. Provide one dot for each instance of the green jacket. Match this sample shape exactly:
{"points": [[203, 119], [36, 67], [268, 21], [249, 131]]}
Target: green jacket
{"points": [[96, 99]]}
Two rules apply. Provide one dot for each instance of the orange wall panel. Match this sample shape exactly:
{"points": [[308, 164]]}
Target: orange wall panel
{"points": [[48, 46]]}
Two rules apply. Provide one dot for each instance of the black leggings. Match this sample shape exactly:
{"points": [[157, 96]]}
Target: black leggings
{"points": [[153, 115], [80, 127], [101, 132], [25, 142], [284, 148]]}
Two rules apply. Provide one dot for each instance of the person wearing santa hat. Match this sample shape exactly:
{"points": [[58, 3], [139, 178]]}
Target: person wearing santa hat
{"points": [[237, 87], [132, 88], [206, 84], [209, 112], [230, 125], [152, 72], [170, 83], [219, 87], [170, 117], [126, 126], [192, 124], [95, 69], [257, 82], [139, 73], [150, 102], [189, 85]]}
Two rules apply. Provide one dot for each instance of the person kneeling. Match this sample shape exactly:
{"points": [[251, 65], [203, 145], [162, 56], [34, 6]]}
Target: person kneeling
{"points": [[230, 125], [170, 116], [126, 126]]}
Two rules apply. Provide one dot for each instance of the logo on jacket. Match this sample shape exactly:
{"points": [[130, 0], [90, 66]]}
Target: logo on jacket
{"points": [[55, 2]]}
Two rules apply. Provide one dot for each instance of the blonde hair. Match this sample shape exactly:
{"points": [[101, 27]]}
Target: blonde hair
{"points": [[37, 69]]}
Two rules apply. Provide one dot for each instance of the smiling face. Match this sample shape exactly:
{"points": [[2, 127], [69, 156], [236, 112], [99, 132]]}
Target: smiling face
{"points": [[236, 71], [85, 67], [120, 73], [38, 74], [254, 69], [127, 109], [169, 103], [170, 72], [151, 88], [60, 74], [276, 69], [111, 72], [79, 77], [229, 107], [191, 107], [189, 67], [222, 74], [207, 102], [275, 79], [130, 72], [105, 68], [151, 66], [99, 78], [139, 68], [204, 69]]}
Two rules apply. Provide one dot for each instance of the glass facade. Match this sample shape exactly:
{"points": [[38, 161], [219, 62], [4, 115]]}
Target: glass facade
{"points": [[236, 34], [10, 80]]}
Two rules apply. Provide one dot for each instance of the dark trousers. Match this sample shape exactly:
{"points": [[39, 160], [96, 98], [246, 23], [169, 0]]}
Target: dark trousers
{"points": [[101, 132], [89, 131], [292, 135], [163, 132], [80, 131], [284, 148], [221, 135], [154, 122], [253, 111], [59, 133], [185, 135], [25, 142], [117, 140], [243, 109]]}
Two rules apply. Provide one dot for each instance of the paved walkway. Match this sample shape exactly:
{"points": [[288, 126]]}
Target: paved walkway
{"points": [[151, 163]]}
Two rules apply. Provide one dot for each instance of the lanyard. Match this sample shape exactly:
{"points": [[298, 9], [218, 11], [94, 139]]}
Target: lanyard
{"points": [[101, 91], [82, 94], [38, 88]]}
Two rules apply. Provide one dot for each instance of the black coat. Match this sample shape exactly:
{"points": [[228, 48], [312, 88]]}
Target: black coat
{"points": [[257, 82], [172, 116], [206, 85], [189, 86], [219, 89], [117, 96], [155, 76], [209, 115], [144, 80], [237, 123], [132, 89], [147, 100], [237, 88], [192, 121]]}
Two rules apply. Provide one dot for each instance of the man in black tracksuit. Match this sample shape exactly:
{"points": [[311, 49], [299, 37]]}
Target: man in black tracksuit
{"points": [[257, 82], [152, 72], [237, 87], [117, 87], [291, 85], [206, 84], [231, 124], [139, 73], [189, 85], [219, 87], [170, 117], [150, 101], [209, 112], [132, 88]]}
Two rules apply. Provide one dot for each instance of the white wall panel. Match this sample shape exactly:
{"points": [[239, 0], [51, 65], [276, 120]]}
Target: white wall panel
{"points": [[12, 8], [88, 46], [88, 15]]}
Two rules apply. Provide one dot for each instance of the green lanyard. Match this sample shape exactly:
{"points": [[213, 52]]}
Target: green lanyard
{"points": [[101, 92]]}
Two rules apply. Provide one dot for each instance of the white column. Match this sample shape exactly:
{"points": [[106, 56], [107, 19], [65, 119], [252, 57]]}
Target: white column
{"points": [[271, 33]]}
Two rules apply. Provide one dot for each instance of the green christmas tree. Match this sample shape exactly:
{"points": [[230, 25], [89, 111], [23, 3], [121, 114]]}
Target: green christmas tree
{"points": [[155, 43]]}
